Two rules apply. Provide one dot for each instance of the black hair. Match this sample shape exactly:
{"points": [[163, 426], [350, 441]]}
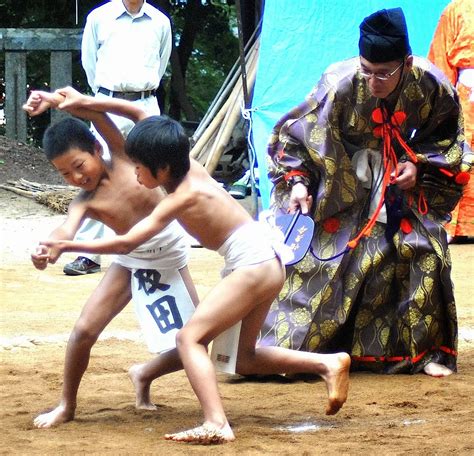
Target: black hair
{"points": [[158, 142], [65, 134]]}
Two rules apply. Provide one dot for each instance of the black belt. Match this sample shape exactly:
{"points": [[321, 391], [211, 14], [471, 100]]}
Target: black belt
{"points": [[130, 96]]}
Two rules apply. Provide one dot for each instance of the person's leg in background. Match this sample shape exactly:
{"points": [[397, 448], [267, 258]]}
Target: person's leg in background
{"points": [[86, 264]]}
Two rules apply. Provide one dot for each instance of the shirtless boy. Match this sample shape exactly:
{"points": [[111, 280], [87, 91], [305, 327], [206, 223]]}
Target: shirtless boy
{"points": [[253, 274], [111, 194]]}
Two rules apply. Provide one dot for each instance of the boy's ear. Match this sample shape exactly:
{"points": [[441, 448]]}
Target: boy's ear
{"points": [[98, 149], [163, 172]]}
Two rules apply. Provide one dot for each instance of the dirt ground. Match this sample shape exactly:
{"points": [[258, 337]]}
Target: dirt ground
{"points": [[19, 160], [391, 415]]}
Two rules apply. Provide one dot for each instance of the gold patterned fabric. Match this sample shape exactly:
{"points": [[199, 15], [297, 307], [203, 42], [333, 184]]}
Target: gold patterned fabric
{"points": [[389, 301]]}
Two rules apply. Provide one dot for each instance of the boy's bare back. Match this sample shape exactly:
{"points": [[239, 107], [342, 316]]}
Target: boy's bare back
{"points": [[205, 209]]}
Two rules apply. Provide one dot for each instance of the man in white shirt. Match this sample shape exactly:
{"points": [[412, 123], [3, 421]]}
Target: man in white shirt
{"points": [[126, 47]]}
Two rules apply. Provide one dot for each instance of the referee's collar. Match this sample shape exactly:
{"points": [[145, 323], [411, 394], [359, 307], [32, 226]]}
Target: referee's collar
{"points": [[120, 9]]}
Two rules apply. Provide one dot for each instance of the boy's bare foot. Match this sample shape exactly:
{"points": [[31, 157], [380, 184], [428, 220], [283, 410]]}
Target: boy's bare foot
{"points": [[142, 389], [207, 434], [437, 370], [337, 381], [57, 416]]}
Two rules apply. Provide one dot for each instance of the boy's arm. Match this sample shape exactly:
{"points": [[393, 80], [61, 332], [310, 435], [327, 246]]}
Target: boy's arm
{"points": [[144, 230], [75, 103], [76, 214], [96, 109], [123, 108], [40, 101], [83, 106]]}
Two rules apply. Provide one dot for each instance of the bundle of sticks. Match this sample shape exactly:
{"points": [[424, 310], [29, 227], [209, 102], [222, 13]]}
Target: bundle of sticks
{"points": [[56, 197], [215, 130]]}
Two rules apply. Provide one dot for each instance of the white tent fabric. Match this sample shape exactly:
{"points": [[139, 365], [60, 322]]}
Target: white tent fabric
{"points": [[300, 38]]}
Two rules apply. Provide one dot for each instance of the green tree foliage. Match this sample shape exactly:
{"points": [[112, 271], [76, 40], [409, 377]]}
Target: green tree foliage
{"points": [[205, 39], [206, 46]]}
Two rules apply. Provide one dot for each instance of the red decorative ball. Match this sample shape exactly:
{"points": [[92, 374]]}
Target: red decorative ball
{"points": [[462, 178], [377, 115], [331, 225], [398, 117], [406, 226], [378, 131]]}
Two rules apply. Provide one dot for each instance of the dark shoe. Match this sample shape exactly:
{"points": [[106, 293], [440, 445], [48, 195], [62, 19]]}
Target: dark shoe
{"points": [[81, 266], [238, 191], [460, 240]]}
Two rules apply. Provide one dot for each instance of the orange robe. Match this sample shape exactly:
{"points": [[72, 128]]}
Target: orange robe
{"points": [[452, 49]]}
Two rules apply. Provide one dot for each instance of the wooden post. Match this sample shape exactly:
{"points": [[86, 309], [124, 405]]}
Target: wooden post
{"points": [[15, 95], [16, 43], [61, 76]]}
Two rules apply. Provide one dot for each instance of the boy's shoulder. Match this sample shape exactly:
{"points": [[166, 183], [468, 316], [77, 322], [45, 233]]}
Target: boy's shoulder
{"points": [[196, 188], [117, 158], [80, 205], [118, 179], [83, 198], [120, 168], [90, 203]]}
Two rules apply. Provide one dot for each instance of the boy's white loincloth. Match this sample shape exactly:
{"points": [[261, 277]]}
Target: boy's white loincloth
{"points": [[161, 300], [252, 243], [249, 244], [168, 249]]}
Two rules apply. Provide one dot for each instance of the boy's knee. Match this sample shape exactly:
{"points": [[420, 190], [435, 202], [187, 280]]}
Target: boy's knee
{"points": [[83, 334], [186, 337], [181, 338]]}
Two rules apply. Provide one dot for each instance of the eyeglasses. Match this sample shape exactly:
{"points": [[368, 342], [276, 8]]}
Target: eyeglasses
{"points": [[380, 76]]}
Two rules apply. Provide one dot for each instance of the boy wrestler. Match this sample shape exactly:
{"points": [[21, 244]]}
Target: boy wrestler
{"points": [[252, 278], [110, 194]]}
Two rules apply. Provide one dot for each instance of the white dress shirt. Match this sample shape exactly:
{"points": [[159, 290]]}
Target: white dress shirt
{"points": [[124, 52]]}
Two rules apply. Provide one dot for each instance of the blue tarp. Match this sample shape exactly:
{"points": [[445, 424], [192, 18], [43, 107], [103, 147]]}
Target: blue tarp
{"points": [[300, 38]]}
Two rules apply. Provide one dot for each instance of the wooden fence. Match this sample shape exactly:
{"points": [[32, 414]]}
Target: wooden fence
{"points": [[16, 43]]}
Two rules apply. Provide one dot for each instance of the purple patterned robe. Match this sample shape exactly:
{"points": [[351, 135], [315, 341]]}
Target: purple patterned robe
{"points": [[388, 302]]}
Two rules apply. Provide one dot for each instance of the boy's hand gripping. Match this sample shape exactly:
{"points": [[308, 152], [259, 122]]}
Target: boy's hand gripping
{"points": [[38, 102], [54, 247], [40, 257]]}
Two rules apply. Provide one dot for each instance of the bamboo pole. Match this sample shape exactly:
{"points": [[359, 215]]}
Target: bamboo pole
{"points": [[229, 82], [204, 152], [222, 138], [210, 130], [211, 144], [227, 127], [204, 137], [216, 121]]}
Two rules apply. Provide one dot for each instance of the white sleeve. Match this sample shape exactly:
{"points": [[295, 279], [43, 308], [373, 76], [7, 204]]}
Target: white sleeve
{"points": [[89, 48], [165, 48]]}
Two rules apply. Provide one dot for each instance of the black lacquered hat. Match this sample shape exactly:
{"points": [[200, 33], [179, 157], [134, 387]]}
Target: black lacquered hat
{"points": [[384, 36]]}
